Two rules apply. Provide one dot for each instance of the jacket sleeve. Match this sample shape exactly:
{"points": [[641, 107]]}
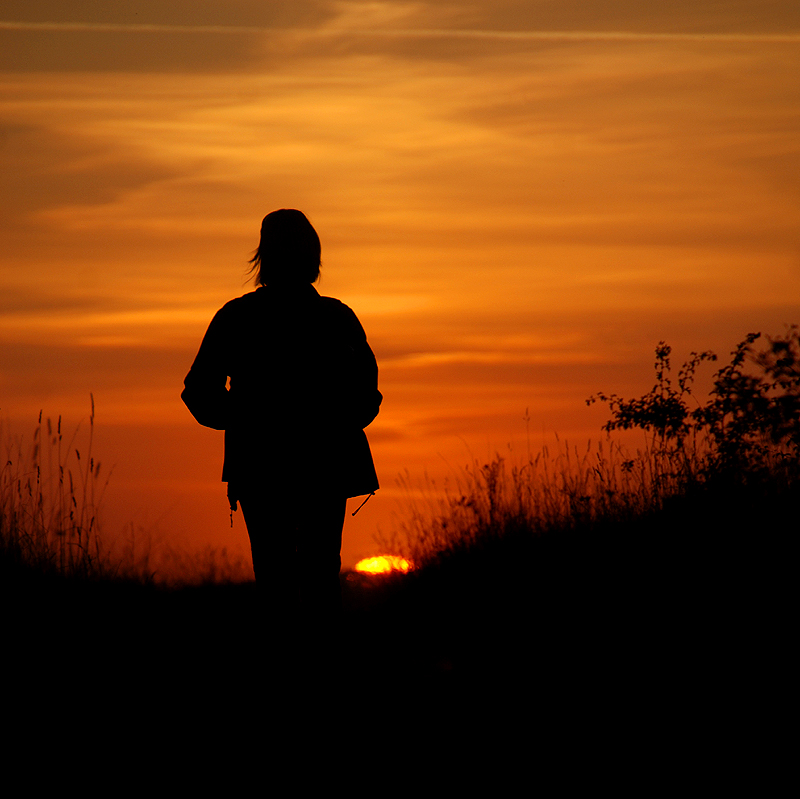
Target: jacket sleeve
{"points": [[369, 398], [205, 391]]}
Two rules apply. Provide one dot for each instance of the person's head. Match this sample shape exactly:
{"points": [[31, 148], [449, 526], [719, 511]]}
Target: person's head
{"points": [[289, 250]]}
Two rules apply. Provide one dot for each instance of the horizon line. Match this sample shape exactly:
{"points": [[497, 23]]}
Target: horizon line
{"points": [[466, 33]]}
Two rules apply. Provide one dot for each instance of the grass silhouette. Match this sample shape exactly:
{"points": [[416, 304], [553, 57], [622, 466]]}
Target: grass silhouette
{"points": [[50, 493], [579, 575], [605, 570]]}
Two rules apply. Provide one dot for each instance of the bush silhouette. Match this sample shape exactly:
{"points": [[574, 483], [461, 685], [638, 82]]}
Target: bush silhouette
{"points": [[748, 427]]}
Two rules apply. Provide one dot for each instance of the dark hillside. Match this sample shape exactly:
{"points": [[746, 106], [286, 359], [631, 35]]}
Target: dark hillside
{"points": [[655, 588]]}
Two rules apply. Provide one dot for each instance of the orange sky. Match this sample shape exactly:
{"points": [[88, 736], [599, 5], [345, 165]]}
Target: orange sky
{"points": [[518, 199]]}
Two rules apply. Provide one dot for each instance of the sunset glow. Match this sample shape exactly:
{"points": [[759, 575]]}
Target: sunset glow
{"points": [[518, 198], [383, 564]]}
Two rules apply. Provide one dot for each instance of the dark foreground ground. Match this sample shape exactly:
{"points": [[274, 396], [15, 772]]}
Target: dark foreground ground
{"points": [[641, 627]]}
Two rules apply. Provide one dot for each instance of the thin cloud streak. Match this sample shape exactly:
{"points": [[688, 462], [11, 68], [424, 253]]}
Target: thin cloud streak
{"points": [[465, 33], [578, 36], [116, 27]]}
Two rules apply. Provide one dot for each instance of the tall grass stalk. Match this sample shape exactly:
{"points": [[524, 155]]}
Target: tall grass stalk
{"points": [[566, 489], [51, 489], [51, 494]]}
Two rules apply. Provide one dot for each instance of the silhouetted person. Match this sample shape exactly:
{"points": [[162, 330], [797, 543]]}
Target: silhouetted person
{"points": [[290, 378]]}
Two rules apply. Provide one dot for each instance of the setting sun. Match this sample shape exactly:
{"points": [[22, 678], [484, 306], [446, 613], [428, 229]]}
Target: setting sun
{"points": [[383, 564]]}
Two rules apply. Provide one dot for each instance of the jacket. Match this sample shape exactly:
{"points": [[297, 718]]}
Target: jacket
{"points": [[290, 378]]}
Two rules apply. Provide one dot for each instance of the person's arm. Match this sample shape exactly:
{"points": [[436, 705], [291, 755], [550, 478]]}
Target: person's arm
{"points": [[366, 374], [205, 390]]}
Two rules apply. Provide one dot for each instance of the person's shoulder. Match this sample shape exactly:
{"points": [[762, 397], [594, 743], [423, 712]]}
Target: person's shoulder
{"points": [[336, 306], [233, 311], [343, 317], [238, 303], [344, 314], [331, 302], [250, 297]]}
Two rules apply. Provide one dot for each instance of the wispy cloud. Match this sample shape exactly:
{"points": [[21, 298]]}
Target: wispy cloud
{"points": [[422, 33], [578, 36], [106, 27]]}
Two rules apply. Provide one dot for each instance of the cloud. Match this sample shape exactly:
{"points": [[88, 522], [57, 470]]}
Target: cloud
{"points": [[184, 13], [624, 16], [43, 168], [27, 300], [149, 36], [118, 51], [206, 36]]}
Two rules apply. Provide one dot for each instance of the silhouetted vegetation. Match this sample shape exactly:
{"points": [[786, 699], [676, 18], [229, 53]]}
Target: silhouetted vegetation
{"points": [[573, 565], [572, 571], [749, 427], [50, 492], [51, 495], [746, 434]]}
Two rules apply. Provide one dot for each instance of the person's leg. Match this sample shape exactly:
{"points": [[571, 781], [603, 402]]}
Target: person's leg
{"points": [[296, 545], [319, 543], [272, 532], [319, 546]]}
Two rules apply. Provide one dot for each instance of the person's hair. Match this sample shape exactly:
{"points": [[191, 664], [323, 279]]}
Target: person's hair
{"points": [[289, 250]]}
